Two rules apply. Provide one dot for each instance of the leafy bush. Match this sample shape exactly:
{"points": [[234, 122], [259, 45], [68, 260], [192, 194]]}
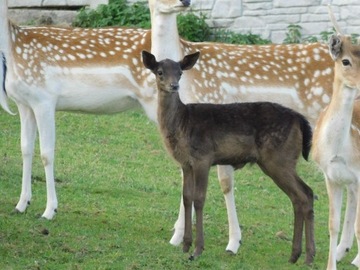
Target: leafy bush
{"points": [[227, 36], [191, 27], [293, 34], [118, 13]]}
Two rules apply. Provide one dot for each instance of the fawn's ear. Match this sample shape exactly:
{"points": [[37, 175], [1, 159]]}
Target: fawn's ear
{"points": [[149, 60], [335, 44], [189, 61]]}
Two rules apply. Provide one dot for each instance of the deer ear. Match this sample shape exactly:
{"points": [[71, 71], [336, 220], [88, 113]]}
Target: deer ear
{"points": [[149, 60], [335, 44], [189, 61]]}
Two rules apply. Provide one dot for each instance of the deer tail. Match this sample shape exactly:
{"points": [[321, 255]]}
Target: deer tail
{"points": [[307, 137]]}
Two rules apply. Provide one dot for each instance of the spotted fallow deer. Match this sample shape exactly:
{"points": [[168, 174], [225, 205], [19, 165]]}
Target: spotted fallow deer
{"points": [[336, 147], [296, 75], [68, 69]]}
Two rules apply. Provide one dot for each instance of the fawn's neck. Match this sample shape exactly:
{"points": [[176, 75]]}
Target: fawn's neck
{"points": [[171, 112]]}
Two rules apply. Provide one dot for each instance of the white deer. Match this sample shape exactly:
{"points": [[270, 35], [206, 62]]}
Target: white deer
{"points": [[336, 147], [297, 76]]}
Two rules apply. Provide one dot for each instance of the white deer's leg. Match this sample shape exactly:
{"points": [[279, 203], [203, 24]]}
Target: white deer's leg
{"points": [[356, 261], [335, 197], [28, 135], [347, 236], [179, 226], [45, 118], [226, 179]]}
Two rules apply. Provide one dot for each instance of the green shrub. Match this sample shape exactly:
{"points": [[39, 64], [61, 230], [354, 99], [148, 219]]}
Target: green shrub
{"points": [[191, 27], [117, 13], [194, 28], [293, 34], [227, 36]]}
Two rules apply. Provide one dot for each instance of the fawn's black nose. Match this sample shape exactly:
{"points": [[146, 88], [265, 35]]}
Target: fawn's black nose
{"points": [[174, 86]]}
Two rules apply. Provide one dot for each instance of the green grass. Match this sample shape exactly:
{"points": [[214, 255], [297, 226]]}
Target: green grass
{"points": [[119, 195]]}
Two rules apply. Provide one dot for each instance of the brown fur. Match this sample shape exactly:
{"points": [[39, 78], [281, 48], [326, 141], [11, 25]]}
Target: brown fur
{"points": [[199, 136]]}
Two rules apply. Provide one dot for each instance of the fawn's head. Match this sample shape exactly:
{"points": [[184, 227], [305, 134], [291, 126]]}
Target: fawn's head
{"points": [[347, 60], [168, 72]]}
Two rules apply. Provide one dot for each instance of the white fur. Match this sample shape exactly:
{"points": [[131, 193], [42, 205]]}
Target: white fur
{"points": [[335, 150]]}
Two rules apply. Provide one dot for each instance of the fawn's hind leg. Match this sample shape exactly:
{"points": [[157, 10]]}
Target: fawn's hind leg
{"points": [[301, 196]]}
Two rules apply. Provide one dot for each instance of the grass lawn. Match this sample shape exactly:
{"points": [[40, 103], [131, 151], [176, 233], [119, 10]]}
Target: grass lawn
{"points": [[119, 196]]}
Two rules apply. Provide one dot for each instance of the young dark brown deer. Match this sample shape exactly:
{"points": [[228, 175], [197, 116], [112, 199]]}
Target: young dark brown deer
{"points": [[199, 136]]}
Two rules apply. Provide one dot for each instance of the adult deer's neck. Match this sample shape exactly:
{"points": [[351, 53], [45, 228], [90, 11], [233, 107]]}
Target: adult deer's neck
{"points": [[4, 29], [165, 41], [342, 101], [338, 115]]}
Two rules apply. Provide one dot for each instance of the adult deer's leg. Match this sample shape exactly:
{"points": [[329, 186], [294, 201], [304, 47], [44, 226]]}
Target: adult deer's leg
{"points": [[356, 261], [226, 179], [28, 135], [347, 235], [179, 226], [45, 118], [335, 198]]}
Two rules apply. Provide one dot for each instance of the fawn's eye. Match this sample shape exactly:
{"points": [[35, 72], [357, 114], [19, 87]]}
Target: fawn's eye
{"points": [[159, 72], [346, 62]]}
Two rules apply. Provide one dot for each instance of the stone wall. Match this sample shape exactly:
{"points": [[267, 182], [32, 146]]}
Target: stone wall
{"points": [[55, 3], [269, 18], [60, 12]]}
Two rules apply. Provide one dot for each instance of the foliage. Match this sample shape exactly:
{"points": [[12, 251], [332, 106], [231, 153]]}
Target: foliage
{"points": [[192, 27], [293, 34], [227, 36], [118, 13]]}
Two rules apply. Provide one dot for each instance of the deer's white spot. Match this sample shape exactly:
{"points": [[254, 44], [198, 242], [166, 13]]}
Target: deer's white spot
{"points": [[327, 71], [81, 55], [317, 90], [71, 57], [325, 98]]}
